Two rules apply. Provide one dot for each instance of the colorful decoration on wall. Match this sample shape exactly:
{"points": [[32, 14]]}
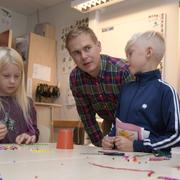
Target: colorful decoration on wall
{"points": [[65, 62]]}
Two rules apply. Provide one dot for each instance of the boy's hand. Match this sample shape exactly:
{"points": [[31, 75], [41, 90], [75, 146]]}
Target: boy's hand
{"points": [[25, 139], [123, 144], [3, 131], [108, 142]]}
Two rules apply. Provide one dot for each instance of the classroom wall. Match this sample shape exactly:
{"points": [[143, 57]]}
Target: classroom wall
{"points": [[132, 10], [19, 24]]}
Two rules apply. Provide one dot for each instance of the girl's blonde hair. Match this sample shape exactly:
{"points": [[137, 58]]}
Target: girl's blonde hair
{"points": [[149, 38], [11, 56]]}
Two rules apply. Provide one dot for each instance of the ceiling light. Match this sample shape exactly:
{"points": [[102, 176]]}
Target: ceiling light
{"points": [[90, 5]]}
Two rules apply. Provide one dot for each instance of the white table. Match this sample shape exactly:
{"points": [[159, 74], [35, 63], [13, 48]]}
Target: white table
{"points": [[45, 162]]}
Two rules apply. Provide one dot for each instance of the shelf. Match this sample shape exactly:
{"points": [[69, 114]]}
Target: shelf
{"points": [[47, 104], [67, 123]]}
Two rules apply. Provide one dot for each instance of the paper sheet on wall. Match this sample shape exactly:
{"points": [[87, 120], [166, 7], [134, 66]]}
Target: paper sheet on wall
{"points": [[41, 72]]}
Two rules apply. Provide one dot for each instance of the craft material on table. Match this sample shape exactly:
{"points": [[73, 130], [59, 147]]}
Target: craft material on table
{"points": [[9, 147], [167, 178], [150, 172]]}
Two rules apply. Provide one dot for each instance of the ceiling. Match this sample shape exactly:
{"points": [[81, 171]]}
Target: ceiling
{"points": [[28, 7]]}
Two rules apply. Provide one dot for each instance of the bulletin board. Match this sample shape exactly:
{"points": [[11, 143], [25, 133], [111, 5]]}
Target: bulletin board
{"points": [[113, 37]]}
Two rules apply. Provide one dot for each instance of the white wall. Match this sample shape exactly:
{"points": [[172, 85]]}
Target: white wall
{"points": [[140, 8], [18, 24]]}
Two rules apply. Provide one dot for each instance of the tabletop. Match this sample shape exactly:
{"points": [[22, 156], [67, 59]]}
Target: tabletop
{"points": [[45, 162]]}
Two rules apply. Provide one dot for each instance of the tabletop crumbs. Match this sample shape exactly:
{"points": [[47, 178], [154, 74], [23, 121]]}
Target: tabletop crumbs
{"points": [[150, 173], [177, 167]]}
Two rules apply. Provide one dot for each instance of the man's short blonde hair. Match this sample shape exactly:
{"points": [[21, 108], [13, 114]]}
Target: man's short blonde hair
{"points": [[152, 39], [75, 32]]}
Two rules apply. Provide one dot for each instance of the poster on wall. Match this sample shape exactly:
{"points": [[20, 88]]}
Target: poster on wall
{"points": [[5, 19]]}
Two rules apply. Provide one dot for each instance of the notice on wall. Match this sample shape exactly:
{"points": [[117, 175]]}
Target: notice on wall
{"points": [[41, 72]]}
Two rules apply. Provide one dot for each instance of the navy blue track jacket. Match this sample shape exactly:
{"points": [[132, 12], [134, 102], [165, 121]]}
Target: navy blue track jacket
{"points": [[153, 104]]}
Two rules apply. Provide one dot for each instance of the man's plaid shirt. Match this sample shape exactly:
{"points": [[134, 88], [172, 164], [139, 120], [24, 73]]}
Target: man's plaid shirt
{"points": [[98, 95]]}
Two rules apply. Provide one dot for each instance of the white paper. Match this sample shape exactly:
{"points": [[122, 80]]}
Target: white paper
{"points": [[41, 72]]}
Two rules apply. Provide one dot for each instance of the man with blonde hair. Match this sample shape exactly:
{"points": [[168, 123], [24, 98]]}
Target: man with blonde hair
{"points": [[148, 102], [95, 82]]}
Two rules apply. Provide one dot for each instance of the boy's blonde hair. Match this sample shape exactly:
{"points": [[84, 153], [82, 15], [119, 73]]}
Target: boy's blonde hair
{"points": [[149, 39], [10, 56], [78, 31]]}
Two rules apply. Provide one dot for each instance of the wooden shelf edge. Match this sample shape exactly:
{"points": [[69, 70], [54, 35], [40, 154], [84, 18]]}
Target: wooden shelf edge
{"points": [[47, 104], [67, 123]]}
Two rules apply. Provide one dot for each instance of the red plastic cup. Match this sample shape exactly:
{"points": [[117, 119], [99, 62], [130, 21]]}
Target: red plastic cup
{"points": [[65, 138]]}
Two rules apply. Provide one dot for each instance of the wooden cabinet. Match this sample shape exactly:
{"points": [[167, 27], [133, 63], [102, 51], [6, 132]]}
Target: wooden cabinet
{"points": [[41, 66], [6, 38]]}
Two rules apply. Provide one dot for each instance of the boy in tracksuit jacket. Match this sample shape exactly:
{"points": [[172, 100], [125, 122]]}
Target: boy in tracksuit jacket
{"points": [[148, 102]]}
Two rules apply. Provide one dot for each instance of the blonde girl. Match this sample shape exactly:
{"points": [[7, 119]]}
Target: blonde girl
{"points": [[18, 122]]}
